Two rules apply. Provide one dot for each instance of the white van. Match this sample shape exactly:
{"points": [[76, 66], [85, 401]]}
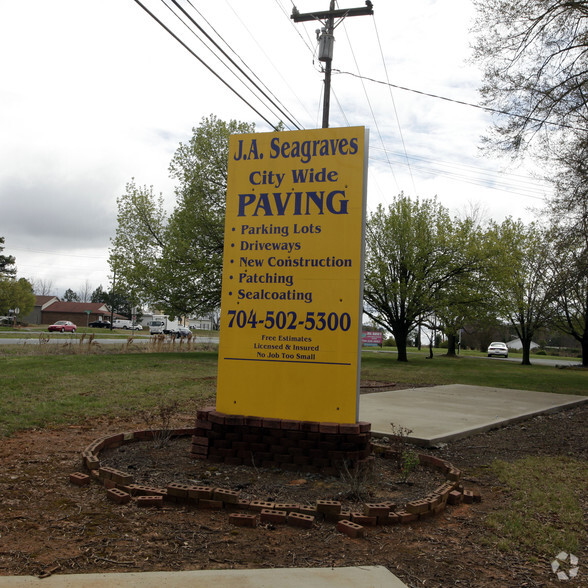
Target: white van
{"points": [[122, 324]]}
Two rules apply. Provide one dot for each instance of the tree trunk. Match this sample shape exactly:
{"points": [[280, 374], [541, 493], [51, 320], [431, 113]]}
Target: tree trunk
{"points": [[526, 352], [451, 338], [400, 336]]}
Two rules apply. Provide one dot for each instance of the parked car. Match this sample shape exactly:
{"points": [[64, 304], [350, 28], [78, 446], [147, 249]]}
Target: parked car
{"points": [[183, 332], [497, 348], [63, 326], [100, 324], [136, 327]]}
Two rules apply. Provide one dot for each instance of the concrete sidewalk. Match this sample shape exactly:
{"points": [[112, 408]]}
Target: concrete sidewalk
{"points": [[443, 413], [366, 577]]}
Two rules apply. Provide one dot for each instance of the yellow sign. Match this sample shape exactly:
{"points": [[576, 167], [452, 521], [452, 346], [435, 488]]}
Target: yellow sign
{"points": [[291, 304]]}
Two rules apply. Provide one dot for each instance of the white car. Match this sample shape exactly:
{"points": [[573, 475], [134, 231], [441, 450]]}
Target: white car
{"points": [[497, 348]]}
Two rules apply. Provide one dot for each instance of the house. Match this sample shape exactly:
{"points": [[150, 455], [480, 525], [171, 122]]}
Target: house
{"points": [[80, 313], [517, 345], [41, 302], [49, 309]]}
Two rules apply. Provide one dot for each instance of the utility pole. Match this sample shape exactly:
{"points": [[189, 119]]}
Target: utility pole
{"points": [[326, 40]]}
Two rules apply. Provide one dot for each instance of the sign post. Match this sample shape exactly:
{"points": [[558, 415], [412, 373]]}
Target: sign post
{"points": [[291, 306]]}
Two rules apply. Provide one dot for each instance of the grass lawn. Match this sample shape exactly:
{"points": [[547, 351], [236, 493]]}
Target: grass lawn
{"points": [[51, 388], [477, 371], [37, 391]]}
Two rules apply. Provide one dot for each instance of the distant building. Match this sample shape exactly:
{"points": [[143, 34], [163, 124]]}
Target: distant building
{"points": [[517, 345], [49, 309]]}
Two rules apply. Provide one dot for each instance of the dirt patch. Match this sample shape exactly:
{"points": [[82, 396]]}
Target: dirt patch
{"points": [[380, 481], [48, 524]]}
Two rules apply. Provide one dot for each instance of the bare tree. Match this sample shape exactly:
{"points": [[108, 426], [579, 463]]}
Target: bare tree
{"points": [[534, 54], [42, 287], [85, 292]]}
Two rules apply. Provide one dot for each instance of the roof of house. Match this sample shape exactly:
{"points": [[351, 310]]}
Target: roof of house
{"points": [[43, 300], [79, 307]]}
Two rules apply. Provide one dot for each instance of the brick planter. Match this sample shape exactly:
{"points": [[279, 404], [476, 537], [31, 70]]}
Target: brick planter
{"points": [[304, 446], [304, 439]]}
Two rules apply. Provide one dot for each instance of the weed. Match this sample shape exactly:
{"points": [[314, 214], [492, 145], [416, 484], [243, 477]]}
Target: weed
{"points": [[409, 461], [359, 477], [159, 420]]}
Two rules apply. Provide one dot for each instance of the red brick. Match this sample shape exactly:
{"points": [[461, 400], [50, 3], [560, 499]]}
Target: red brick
{"points": [[227, 496], [290, 425], [454, 497], [349, 429], [308, 510], [145, 501], [178, 490], [376, 510], [361, 519], [453, 474], [329, 428], [118, 496], [202, 425], [391, 519], [216, 417], [114, 441], [278, 517], [328, 506], [298, 519], [259, 505], [287, 506], [468, 496], [140, 490], [79, 479], [235, 420], [200, 492], [253, 421], [364, 427], [203, 413], [243, 520], [309, 426], [350, 529], [200, 441], [270, 423], [406, 517], [199, 452], [418, 506], [92, 463]]}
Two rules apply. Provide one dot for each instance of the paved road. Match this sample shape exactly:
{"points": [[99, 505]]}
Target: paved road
{"points": [[65, 338], [534, 361]]}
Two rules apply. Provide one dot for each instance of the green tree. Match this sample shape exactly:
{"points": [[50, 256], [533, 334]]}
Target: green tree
{"points": [[70, 296], [526, 288], [174, 261], [16, 294], [6, 261], [416, 255], [534, 54], [569, 265]]}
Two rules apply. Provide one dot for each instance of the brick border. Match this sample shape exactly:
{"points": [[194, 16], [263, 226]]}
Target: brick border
{"points": [[291, 445], [122, 490]]}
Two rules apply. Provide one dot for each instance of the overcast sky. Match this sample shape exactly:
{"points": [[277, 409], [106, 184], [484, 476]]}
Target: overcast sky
{"points": [[93, 94]]}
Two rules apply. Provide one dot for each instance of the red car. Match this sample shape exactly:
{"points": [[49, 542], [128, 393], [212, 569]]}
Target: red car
{"points": [[63, 326]]}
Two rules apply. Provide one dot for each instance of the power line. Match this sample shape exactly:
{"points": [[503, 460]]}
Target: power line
{"points": [[370, 105], [210, 69], [281, 109], [394, 105], [463, 103]]}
